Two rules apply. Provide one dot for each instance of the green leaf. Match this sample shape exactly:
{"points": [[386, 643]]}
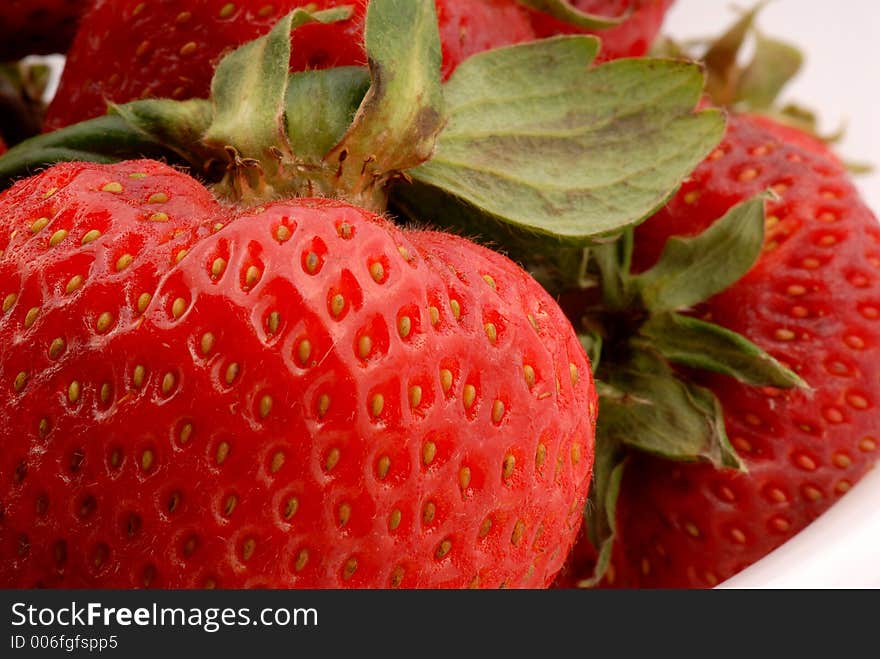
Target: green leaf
{"points": [[397, 124], [645, 406], [691, 342], [691, 270], [104, 140], [773, 66], [601, 511], [591, 342], [320, 107], [177, 124], [721, 57], [249, 90], [572, 156], [568, 13], [614, 260]]}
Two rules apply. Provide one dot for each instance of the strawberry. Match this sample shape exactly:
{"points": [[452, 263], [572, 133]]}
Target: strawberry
{"points": [[164, 51], [632, 38], [37, 27], [810, 301], [300, 395]]}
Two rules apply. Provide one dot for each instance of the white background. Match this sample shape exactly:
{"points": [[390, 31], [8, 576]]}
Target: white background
{"points": [[841, 81], [840, 78]]}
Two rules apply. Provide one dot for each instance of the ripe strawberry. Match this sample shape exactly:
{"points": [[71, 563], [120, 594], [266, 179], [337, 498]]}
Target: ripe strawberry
{"points": [[632, 38], [812, 302], [298, 395], [37, 27], [127, 49]]}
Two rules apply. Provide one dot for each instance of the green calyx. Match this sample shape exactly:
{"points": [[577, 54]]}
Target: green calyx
{"points": [[531, 146], [642, 327]]}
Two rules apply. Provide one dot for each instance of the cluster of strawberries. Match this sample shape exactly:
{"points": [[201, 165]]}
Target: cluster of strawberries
{"points": [[252, 374]]}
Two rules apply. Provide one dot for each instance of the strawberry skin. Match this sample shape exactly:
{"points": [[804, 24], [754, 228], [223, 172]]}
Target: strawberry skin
{"points": [[813, 302], [632, 38], [300, 395], [126, 49], [37, 27]]}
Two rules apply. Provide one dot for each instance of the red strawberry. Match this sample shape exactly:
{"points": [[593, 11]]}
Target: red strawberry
{"points": [[37, 27], [812, 302], [299, 395], [632, 38], [128, 49]]}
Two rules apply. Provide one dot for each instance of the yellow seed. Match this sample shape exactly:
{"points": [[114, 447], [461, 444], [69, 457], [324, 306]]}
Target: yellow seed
{"points": [[488, 279], [157, 198], [377, 404], [291, 507], [573, 372], [106, 390], [226, 10], [841, 460], [20, 381], [337, 304], [75, 282], [104, 322], [56, 348], [138, 376], [180, 255], [8, 301], [529, 374], [48, 193], [74, 391], [428, 512], [323, 405], [692, 530], [394, 519], [485, 527], [344, 514], [345, 231], [456, 308], [445, 380], [123, 262], [147, 460], [311, 263], [404, 326], [282, 234], [332, 459], [168, 383], [43, 428], [91, 236], [139, 8], [39, 224], [304, 351], [429, 452], [867, 445], [382, 467], [377, 272], [252, 276], [301, 559], [274, 322], [508, 466], [217, 268], [57, 237], [143, 301], [222, 452], [491, 332], [31, 316], [159, 217], [207, 343], [575, 454], [469, 395], [178, 307], [265, 406], [113, 187], [365, 346], [784, 334], [518, 531], [464, 477], [248, 548], [497, 411], [188, 48], [533, 322], [404, 252], [443, 548], [434, 315], [137, 175], [231, 373], [540, 455], [415, 396]]}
